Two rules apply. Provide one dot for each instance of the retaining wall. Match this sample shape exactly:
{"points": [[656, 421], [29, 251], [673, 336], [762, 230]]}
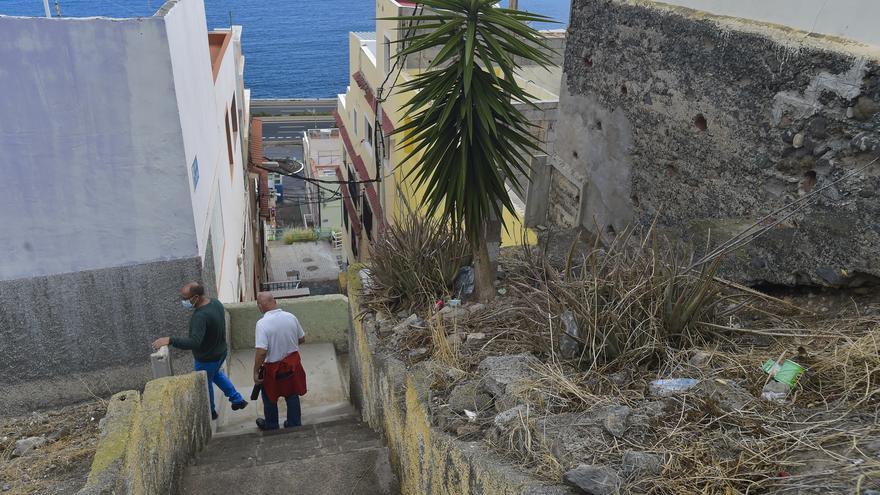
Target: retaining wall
{"points": [[324, 318], [702, 125], [393, 399], [73, 336], [146, 439]]}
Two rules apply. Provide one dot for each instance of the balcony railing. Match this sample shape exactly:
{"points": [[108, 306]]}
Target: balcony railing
{"points": [[284, 285]]}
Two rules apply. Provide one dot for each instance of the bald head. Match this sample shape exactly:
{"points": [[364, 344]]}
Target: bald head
{"points": [[191, 290], [266, 301]]}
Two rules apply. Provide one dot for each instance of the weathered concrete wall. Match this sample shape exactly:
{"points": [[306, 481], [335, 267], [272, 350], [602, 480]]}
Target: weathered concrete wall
{"points": [[851, 19], [393, 399], [147, 439], [92, 327], [324, 318], [708, 124]]}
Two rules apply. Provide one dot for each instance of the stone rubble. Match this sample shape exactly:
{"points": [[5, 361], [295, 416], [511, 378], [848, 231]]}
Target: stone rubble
{"points": [[469, 395], [25, 446], [593, 480]]}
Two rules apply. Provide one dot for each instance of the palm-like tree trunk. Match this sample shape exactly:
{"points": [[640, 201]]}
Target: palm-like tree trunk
{"points": [[484, 269]]}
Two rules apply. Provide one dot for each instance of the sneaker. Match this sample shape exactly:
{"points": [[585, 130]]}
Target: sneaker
{"points": [[239, 405], [288, 425], [214, 415], [261, 424]]}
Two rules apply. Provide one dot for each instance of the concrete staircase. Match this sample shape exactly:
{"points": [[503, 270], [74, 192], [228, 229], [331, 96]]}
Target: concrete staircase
{"points": [[339, 457], [332, 453]]}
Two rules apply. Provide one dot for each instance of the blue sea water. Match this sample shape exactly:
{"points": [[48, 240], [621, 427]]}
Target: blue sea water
{"points": [[292, 48]]}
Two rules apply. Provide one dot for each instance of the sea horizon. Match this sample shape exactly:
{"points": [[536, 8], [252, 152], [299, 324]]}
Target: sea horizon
{"points": [[292, 50]]}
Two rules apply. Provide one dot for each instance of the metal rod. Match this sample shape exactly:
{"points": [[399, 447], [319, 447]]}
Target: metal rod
{"points": [[46, 8]]}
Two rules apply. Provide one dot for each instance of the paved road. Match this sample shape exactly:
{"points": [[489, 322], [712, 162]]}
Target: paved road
{"points": [[289, 130], [301, 115], [292, 107]]}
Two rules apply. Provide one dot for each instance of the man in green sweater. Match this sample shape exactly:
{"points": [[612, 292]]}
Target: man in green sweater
{"points": [[207, 341]]}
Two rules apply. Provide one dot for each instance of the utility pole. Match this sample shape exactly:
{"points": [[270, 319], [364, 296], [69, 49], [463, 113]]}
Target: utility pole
{"points": [[513, 4], [46, 8]]}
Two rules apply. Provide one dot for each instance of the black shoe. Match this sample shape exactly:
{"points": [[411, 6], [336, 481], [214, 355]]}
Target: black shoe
{"points": [[261, 424], [288, 425], [213, 415], [239, 405]]}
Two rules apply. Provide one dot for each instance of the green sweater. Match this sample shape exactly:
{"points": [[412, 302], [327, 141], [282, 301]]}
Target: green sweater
{"points": [[207, 333]]}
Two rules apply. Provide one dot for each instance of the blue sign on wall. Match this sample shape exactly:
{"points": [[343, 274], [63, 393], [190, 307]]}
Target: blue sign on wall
{"points": [[195, 172]]}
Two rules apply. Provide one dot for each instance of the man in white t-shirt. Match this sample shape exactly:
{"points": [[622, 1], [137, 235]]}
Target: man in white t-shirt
{"points": [[278, 336]]}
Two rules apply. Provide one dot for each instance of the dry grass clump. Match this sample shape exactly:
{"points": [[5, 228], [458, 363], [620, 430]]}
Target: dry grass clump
{"points": [[413, 262], [629, 301]]}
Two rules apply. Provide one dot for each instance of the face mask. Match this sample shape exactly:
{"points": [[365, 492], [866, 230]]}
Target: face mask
{"points": [[187, 304]]}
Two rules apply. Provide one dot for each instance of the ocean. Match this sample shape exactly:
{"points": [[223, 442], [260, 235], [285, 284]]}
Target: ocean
{"points": [[292, 48]]}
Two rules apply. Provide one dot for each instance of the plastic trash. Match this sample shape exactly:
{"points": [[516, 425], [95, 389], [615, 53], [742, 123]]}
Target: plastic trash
{"points": [[787, 372], [463, 285], [454, 303], [471, 416], [775, 391], [671, 386]]}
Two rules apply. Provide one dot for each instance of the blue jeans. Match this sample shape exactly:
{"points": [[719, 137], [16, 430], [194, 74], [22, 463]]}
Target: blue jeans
{"points": [[271, 411], [215, 376]]}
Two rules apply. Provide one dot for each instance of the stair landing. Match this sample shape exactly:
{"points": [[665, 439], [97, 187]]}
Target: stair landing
{"points": [[326, 400]]}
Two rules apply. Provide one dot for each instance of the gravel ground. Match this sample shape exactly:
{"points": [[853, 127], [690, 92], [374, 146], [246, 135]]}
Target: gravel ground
{"points": [[61, 464]]}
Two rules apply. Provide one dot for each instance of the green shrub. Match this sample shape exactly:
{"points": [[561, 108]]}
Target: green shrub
{"points": [[299, 235]]}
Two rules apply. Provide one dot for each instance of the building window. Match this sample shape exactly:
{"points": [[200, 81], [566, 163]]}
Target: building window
{"points": [[368, 131], [355, 122], [354, 243], [234, 115], [387, 57], [228, 142], [353, 188], [218, 236], [367, 220], [194, 168], [386, 148]]}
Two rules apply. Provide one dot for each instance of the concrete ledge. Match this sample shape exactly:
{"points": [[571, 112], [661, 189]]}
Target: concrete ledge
{"points": [[324, 318], [147, 438], [426, 460]]}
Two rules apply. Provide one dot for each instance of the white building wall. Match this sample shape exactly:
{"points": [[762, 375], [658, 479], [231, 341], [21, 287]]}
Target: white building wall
{"points": [[203, 104], [851, 19], [230, 181], [91, 154]]}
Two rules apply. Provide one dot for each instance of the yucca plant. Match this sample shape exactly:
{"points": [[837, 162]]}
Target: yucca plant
{"points": [[467, 137], [414, 261]]}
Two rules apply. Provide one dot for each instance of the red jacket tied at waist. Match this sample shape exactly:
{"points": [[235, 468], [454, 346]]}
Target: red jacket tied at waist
{"points": [[284, 378]]}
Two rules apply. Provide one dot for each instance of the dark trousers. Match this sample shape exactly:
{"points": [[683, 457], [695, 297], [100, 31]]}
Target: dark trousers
{"points": [[271, 411]]}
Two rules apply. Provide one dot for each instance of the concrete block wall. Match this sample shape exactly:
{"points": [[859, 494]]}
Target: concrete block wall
{"points": [[324, 319], [707, 124], [75, 336]]}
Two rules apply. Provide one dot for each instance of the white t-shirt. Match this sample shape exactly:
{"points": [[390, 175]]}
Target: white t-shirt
{"points": [[278, 332]]}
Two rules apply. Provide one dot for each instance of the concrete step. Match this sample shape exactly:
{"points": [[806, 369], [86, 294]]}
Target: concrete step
{"points": [[336, 457]]}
